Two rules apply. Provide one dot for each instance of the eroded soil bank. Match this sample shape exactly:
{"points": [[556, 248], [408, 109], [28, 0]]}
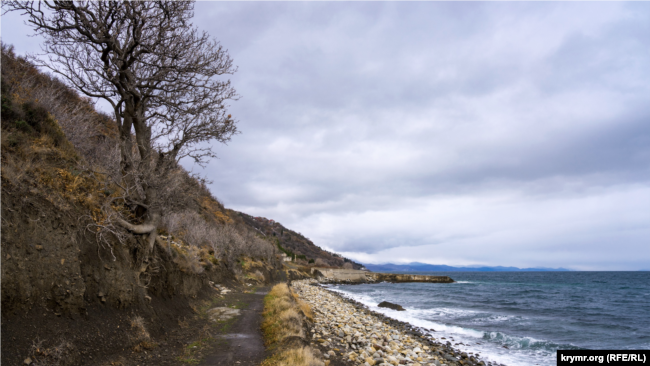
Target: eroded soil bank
{"points": [[178, 334]]}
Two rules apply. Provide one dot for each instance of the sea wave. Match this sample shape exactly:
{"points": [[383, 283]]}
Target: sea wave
{"points": [[492, 318], [493, 346], [523, 343], [443, 312]]}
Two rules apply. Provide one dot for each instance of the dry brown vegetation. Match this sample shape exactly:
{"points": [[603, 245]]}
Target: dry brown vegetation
{"points": [[140, 336], [222, 240], [51, 356], [284, 319], [281, 320], [57, 143], [168, 92], [36, 151], [306, 309], [293, 357]]}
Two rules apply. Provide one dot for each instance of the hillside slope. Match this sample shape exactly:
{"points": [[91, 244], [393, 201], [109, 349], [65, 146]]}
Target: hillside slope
{"points": [[76, 288], [295, 244]]}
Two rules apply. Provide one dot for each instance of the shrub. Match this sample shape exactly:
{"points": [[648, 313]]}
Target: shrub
{"points": [[225, 241], [62, 354], [188, 258], [141, 336], [140, 329]]}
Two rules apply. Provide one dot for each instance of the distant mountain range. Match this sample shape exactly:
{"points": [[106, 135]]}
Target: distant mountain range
{"points": [[423, 267]]}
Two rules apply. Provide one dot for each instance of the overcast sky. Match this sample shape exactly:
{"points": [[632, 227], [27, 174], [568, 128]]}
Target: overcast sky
{"points": [[513, 134]]}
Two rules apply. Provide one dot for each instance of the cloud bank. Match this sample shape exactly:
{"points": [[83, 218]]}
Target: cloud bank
{"points": [[513, 134]]}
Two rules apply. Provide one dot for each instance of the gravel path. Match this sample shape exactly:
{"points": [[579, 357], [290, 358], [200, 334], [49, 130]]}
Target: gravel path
{"points": [[242, 344]]}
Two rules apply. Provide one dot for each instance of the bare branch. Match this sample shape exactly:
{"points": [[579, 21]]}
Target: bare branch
{"points": [[162, 77]]}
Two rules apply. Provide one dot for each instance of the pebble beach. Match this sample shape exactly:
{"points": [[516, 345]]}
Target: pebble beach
{"points": [[346, 330]]}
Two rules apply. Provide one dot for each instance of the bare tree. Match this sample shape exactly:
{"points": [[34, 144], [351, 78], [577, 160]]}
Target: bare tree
{"points": [[158, 72]]}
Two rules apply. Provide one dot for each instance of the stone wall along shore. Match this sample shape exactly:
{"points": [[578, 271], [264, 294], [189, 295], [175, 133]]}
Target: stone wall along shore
{"points": [[335, 275], [350, 333]]}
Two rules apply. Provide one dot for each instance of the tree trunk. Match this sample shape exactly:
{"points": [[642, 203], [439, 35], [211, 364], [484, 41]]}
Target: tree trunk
{"points": [[139, 188]]}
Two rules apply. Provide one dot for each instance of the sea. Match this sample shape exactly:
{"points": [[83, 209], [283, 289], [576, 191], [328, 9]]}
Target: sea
{"points": [[522, 318]]}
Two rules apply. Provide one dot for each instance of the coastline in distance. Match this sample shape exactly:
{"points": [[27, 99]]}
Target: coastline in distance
{"points": [[424, 267]]}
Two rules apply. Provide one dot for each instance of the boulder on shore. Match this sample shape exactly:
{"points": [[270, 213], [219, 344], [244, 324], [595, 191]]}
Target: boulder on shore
{"points": [[390, 305]]}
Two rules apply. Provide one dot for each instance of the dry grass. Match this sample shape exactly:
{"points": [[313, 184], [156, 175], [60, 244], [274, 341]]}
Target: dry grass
{"points": [[257, 275], [50, 170], [293, 357], [52, 356], [284, 314], [215, 208], [184, 324], [306, 309], [17, 171], [141, 336], [138, 325], [188, 258], [281, 317]]}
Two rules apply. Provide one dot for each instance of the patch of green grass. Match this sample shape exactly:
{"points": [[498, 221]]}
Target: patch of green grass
{"points": [[225, 325], [190, 352], [239, 305], [23, 126]]}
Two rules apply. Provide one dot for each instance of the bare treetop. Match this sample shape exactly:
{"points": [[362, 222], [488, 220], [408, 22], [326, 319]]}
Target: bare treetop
{"points": [[163, 78], [148, 61]]}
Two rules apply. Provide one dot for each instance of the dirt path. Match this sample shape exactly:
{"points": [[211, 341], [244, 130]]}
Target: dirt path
{"points": [[242, 343]]}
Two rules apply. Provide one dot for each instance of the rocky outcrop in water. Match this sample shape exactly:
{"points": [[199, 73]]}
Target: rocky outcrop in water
{"points": [[390, 305], [397, 278]]}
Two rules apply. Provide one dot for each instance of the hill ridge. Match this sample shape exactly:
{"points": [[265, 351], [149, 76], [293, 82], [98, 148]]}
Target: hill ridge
{"points": [[425, 267]]}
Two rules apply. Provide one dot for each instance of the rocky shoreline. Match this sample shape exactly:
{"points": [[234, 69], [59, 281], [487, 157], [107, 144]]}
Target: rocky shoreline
{"points": [[349, 333]]}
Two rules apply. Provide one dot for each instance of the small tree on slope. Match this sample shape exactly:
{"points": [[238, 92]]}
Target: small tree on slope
{"points": [[158, 72]]}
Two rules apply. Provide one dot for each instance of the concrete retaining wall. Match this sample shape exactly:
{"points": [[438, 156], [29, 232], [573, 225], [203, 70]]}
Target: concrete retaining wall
{"points": [[356, 276], [347, 275]]}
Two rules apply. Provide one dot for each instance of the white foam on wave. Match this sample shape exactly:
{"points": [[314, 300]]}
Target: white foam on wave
{"points": [[444, 312], [475, 317], [497, 319], [488, 345], [516, 342]]}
